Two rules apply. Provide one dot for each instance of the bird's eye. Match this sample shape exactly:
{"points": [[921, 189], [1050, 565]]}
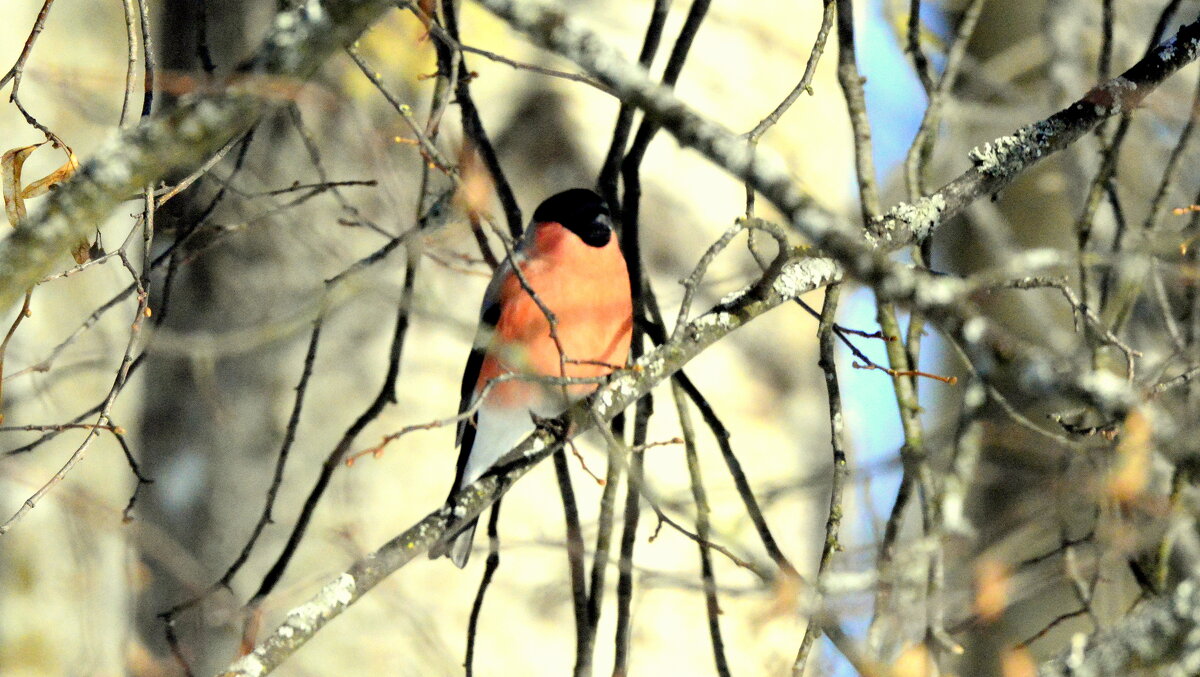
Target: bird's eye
{"points": [[596, 232]]}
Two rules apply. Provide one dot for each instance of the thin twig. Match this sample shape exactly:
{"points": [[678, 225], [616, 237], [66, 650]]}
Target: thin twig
{"points": [[805, 85], [14, 73], [130, 59], [575, 564], [917, 160], [604, 529], [913, 46], [473, 129], [489, 572], [335, 458], [265, 517], [852, 90], [123, 370], [833, 522], [699, 496], [21, 315], [150, 64]]}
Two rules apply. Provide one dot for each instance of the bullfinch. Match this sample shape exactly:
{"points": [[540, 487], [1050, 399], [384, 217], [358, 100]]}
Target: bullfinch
{"points": [[569, 257]]}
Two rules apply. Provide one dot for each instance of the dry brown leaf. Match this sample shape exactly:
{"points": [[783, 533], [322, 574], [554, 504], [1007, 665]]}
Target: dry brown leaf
{"points": [[1017, 663], [784, 600], [51, 180], [992, 582], [82, 252], [914, 661], [15, 196], [1132, 472], [475, 195], [10, 177]]}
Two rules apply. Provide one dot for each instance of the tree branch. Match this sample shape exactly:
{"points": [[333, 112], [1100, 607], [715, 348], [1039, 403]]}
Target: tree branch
{"points": [[1160, 632], [297, 44], [782, 283], [995, 166]]}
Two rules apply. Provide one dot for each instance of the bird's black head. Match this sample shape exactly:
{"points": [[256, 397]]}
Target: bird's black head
{"points": [[580, 211]]}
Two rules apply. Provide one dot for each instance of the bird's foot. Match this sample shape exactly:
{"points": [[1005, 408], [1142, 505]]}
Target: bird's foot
{"points": [[556, 426]]}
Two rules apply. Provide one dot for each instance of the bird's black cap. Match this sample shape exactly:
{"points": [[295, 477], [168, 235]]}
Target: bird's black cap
{"points": [[580, 211]]}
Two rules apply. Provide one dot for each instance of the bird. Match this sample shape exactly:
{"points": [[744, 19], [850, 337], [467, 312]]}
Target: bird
{"points": [[571, 260]]}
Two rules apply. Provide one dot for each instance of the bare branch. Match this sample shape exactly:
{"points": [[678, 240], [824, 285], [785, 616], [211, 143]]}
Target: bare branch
{"points": [[1161, 631], [298, 43], [780, 285]]}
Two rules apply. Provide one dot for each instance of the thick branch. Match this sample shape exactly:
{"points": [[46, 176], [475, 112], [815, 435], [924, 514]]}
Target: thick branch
{"points": [[995, 353], [1161, 632], [298, 43], [996, 164], [781, 284]]}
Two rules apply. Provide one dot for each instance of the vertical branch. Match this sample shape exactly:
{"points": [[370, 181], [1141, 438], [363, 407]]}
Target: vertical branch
{"points": [[905, 386], [805, 85], [708, 579], [919, 153], [607, 181], [142, 278], [489, 571], [1104, 61], [632, 511], [579, 594], [151, 64], [916, 166], [826, 337], [856, 103], [386, 395], [473, 128], [130, 58], [604, 528], [913, 451], [913, 46], [630, 174], [913, 456]]}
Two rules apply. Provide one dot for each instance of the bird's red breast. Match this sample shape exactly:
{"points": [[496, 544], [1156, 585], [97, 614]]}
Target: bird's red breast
{"points": [[587, 289]]}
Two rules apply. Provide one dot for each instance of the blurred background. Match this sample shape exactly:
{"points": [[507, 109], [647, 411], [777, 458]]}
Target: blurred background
{"points": [[84, 576]]}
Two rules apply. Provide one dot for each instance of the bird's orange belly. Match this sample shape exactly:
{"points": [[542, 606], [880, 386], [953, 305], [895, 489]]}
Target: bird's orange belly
{"points": [[594, 337]]}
